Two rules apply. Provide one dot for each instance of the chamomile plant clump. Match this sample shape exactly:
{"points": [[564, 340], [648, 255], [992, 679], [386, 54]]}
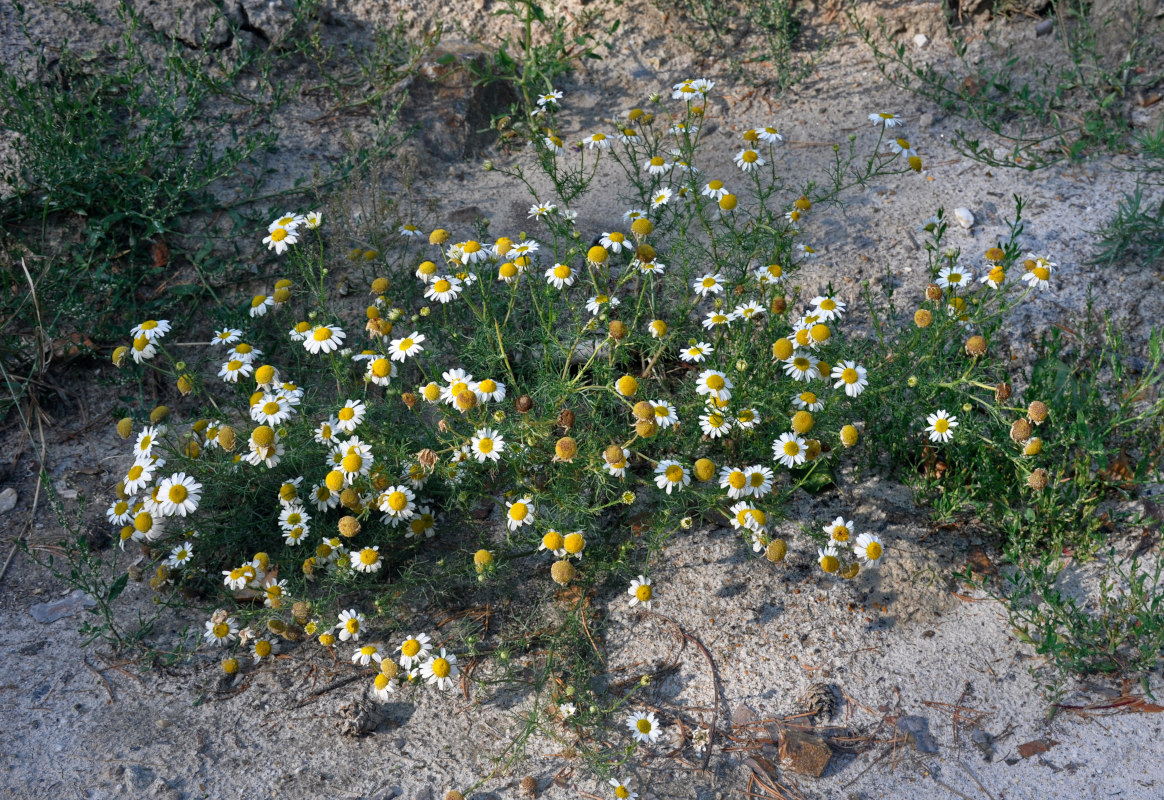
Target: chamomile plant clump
{"points": [[592, 392]]}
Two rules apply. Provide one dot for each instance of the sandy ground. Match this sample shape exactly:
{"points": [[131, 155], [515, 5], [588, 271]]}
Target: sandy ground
{"points": [[905, 640]]}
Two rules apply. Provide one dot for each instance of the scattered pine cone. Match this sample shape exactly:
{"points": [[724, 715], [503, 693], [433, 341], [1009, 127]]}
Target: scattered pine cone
{"points": [[819, 701]]}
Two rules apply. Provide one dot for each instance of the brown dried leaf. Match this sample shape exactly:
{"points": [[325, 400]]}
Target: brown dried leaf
{"points": [[1035, 747]]}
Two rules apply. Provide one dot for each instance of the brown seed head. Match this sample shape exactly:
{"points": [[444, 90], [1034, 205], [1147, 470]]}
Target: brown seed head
{"points": [[350, 499], [933, 292], [643, 410], [1038, 479], [975, 346], [442, 426], [566, 418], [1037, 411], [1020, 431], [466, 400], [777, 550], [1002, 392], [645, 253], [618, 330], [529, 785], [779, 304], [226, 438], [349, 526], [612, 454], [409, 399], [427, 458], [646, 428], [453, 794], [301, 611], [524, 404], [923, 318]]}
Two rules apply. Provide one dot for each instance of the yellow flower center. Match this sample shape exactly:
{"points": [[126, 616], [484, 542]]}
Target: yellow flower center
{"points": [[353, 462], [278, 235], [221, 630], [715, 382], [177, 493], [1042, 273], [410, 648], [644, 725], [562, 271], [574, 543], [841, 533], [485, 445], [873, 551], [715, 186], [621, 792], [757, 479], [441, 667], [322, 334], [552, 540], [470, 246], [352, 625], [749, 156], [674, 473], [643, 594], [802, 364], [737, 480], [830, 564], [398, 501], [442, 286], [941, 425], [519, 511], [369, 556], [346, 413], [135, 472], [262, 648], [715, 420], [143, 522], [791, 448], [849, 375], [657, 161]]}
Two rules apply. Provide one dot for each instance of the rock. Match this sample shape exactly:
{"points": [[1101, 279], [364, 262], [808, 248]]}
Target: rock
{"points": [[917, 731], [269, 19], [162, 790], [1116, 24], [1044, 28], [964, 217], [804, 753], [44, 613], [920, 41], [7, 500], [195, 23], [447, 106], [984, 742], [926, 120]]}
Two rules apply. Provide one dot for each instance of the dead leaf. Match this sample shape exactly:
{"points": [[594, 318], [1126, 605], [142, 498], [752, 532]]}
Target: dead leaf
{"points": [[1035, 747], [161, 254], [979, 562]]}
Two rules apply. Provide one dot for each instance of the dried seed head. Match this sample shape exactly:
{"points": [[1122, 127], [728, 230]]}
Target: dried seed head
{"points": [[442, 426], [453, 794], [812, 449], [124, 427], [933, 292], [1038, 479], [1020, 431], [379, 286], [349, 526], [975, 346], [427, 458], [226, 438], [389, 668], [562, 572], [646, 428], [777, 550], [301, 611], [466, 400], [1037, 411], [185, 384], [618, 330], [645, 253], [524, 404], [922, 318], [566, 418], [643, 410], [1002, 392], [409, 399], [350, 499], [529, 785], [612, 454], [1034, 447], [779, 305], [276, 626]]}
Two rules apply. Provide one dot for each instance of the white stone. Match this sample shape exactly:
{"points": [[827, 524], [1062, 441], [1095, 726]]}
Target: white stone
{"points": [[920, 41], [965, 217]]}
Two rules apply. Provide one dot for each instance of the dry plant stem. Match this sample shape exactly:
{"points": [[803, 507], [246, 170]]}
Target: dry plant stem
{"points": [[99, 674], [325, 689], [714, 683], [35, 503]]}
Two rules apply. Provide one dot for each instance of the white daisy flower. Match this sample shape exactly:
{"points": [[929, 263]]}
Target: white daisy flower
{"points": [[324, 339], [735, 480], [696, 353], [226, 336], [351, 623], [671, 475], [790, 450], [401, 349], [802, 367], [414, 650], [748, 160], [560, 276], [715, 424], [850, 375], [886, 119], [350, 416], [644, 727], [665, 414], [714, 384], [398, 504], [180, 556], [840, 531], [444, 289], [615, 241], [709, 284], [441, 670], [179, 495], [955, 277], [519, 512], [868, 548], [642, 592], [549, 98], [599, 140], [222, 633], [940, 426], [661, 197], [487, 444], [759, 480]]}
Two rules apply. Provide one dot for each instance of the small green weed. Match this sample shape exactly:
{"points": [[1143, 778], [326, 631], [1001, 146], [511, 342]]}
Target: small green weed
{"points": [[718, 31], [1136, 228], [1043, 109]]}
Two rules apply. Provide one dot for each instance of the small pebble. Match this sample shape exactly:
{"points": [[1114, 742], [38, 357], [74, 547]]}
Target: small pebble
{"points": [[920, 41], [965, 217], [7, 500]]}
